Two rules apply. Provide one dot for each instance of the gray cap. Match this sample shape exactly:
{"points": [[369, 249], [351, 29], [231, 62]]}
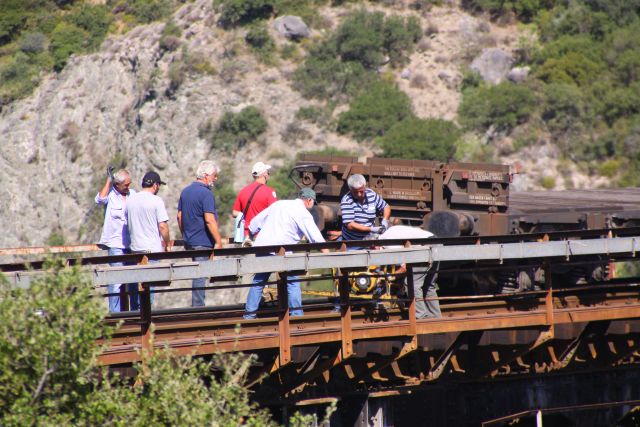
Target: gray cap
{"points": [[307, 193]]}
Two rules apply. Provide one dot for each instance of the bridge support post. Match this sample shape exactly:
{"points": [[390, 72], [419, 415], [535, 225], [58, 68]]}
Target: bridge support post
{"points": [[284, 329], [345, 316]]}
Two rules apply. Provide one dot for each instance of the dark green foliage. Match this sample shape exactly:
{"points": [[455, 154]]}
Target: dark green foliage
{"points": [[621, 102], [280, 182], [225, 194], [572, 68], [237, 129], [414, 138], [261, 43], [345, 63], [238, 12], [146, 11], [564, 106], [503, 106], [525, 10], [48, 348], [325, 77], [95, 20], [367, 38], [375, 111], [66, 39], [572, 19]]}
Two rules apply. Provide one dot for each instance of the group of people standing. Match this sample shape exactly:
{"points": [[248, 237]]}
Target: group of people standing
{"points": [[137, 222]]}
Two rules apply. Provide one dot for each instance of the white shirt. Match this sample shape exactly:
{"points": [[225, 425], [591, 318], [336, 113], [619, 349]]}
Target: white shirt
{"points": [[145, 211], [404, 232], [115, 233], [285, 222]]}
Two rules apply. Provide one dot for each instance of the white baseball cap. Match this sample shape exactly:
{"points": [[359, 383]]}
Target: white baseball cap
{"points": [[259, 168]]}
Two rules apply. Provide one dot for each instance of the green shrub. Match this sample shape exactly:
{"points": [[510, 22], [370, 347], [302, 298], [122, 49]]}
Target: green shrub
{"points": [[66, 39], [18, 78], [375, 111], [236, 129], [609, 168], [48, 350], [503, 106], [621, 102], [261, 43], [548, 182], [572, 68], [147, 11], [414, 138], [310, 114], [33, 43], [564, 106], [12, 19], [526, 10], [95, 20], [326, 77], [238, 12]]}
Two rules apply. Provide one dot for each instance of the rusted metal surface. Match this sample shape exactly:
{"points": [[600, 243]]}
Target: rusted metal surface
{"points": [[477, 195]]}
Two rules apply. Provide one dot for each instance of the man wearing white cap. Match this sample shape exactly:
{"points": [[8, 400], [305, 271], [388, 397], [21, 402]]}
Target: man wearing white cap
{"points": [[255, 197]]}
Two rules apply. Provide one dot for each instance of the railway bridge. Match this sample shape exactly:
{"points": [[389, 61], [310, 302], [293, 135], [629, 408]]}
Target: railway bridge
{"points": [[558, 354]]}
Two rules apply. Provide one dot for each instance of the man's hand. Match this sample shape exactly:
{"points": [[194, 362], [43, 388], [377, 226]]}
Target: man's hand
{"points": [[110, 172], [375, 229], [168, 246], [385, 224]]}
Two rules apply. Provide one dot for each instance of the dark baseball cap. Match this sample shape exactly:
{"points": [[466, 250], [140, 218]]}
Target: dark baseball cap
{"points": [[307, 193], [151, 178]]}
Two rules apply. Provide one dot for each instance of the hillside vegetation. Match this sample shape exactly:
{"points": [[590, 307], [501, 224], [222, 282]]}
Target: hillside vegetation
{"points": [[214, 78]]}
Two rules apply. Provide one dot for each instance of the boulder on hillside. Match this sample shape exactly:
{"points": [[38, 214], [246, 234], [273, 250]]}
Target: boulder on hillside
{"points": [[493, 64], [518, 74], [292, 27]]}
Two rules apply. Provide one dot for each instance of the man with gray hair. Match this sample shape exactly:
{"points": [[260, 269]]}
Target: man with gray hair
{"points": [[198, 221], [360, 207], [115, 234]]}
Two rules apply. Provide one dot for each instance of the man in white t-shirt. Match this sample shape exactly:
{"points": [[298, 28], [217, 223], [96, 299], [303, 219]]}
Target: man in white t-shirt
{"points": [[424, 278], [147, 217]]}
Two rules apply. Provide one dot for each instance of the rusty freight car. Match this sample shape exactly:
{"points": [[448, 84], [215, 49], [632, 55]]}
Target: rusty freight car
{"points": [[469, 199]]}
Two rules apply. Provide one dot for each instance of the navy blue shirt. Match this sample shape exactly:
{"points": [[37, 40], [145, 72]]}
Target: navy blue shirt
{"points": [[195, 200]]}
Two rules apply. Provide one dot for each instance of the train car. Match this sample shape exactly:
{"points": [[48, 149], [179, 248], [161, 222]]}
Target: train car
{"points": [[469, 199]]}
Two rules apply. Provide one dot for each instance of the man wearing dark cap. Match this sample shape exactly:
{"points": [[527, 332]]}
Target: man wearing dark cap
{"points": [[148, 219], [285, 222]]}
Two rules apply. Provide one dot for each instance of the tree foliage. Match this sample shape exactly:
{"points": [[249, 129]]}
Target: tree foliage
{"points": [[422, 139], [236, 129], [48, 347], [502, 106], [345, 63], [49, 374], [375, 111]]}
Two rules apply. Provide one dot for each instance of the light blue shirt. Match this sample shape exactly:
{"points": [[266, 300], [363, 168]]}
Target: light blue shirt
{"points": [[115, 233], [285, 222]]}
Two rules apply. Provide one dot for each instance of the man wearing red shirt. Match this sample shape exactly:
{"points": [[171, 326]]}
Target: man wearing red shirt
{"points": [[263, 197]]}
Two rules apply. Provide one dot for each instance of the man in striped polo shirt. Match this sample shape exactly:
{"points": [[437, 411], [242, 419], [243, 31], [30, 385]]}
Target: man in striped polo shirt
{"points": [[360, 207]]}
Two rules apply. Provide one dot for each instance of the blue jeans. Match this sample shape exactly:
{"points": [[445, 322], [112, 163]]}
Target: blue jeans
{"points": [[197, 295], [255, 295], [132, 288]]}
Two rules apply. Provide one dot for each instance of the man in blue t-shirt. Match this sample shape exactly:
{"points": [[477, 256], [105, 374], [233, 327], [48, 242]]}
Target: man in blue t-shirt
{"points": [[198, 220]]}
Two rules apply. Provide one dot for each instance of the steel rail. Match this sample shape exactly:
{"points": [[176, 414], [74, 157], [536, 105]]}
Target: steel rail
{"points": [[336, 245], [227, 267]]}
